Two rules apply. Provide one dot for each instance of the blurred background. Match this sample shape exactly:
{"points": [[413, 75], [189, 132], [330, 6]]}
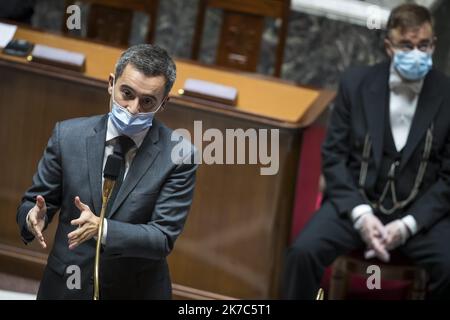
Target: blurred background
{"points": [[323, 37]]}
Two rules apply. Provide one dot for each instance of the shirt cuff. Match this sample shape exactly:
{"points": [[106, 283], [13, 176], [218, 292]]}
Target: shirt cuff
{"points": [[105, 231], [359, 211], [411, 224]]}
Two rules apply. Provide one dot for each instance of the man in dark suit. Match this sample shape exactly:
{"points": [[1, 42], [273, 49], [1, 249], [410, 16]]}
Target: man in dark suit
{"points": [[386, 162], [149, 207]]}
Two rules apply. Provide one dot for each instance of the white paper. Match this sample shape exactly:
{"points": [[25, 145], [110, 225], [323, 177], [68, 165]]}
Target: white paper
{"points": [[57, 54], [7, 32], [210, 89]]}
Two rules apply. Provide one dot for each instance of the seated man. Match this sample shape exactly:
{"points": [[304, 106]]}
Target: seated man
{"points": [[386, 162], [148, 205]]}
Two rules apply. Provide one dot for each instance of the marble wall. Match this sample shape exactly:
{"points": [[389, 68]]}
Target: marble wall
{"points": [[317, 49]]}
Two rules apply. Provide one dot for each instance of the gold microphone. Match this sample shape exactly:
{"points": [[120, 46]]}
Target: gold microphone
{"points": [[110, 174]]}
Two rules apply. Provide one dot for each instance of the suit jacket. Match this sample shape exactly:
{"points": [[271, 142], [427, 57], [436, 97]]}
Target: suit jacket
{"points": [[360, 108], [147, 216]]}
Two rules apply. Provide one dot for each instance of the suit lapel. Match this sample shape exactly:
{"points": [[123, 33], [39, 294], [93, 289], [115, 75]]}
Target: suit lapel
{"points": [[427, 107], [374, 101], [95, 147], [143, 160]]}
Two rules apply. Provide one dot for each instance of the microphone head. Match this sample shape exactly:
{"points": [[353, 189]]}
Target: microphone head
{"points": [[112, 167]]}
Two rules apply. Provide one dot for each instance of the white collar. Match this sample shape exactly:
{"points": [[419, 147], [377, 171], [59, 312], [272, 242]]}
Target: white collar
{"points": [[397, 83], [112, 133]]}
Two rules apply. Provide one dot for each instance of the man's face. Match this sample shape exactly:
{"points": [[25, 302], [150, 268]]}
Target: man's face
{"points": [[420, 37], [137, 92]]}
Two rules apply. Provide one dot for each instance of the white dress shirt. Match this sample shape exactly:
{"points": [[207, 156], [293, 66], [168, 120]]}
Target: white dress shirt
{"points": [[111, 134], [402, 106], [403, 99]]}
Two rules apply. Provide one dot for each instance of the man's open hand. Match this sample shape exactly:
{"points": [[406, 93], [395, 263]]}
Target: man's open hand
{"points": [[88, 224], [36, 220]]}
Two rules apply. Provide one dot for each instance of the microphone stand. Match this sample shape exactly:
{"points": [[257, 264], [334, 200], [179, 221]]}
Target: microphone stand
{"points": [[110, 174], [108, 186]]}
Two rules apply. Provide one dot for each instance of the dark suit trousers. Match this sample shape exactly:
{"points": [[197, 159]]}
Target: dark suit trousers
{"points": [[329, 235]]}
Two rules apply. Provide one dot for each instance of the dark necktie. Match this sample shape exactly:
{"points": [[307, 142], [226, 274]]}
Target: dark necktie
{"points": [[122, 146]]}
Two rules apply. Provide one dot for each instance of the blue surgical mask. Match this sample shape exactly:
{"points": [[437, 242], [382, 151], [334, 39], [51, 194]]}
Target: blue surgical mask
{"points": [[129, 124], [413, 65]]}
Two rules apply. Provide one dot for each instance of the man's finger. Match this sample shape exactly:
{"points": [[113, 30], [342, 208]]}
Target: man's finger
{"points": [[39, 236], [389, 239], [80, 205], [42, 243], [40, 202], [73, 245], [380, 250], [38, 233], [79, 221], [32, 220], [41, 207], [379, 229], [75, 242], [369, 254], [76, 233]]}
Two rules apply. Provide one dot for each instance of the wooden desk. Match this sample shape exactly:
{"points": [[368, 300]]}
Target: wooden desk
{"points": [[238, 228]]}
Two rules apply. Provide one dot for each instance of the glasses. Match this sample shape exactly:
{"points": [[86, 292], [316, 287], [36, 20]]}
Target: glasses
{"points": [[407, 46]]}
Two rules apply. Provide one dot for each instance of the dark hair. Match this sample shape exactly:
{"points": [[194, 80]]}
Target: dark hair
{"points": [[408, 16], [151, 60]]}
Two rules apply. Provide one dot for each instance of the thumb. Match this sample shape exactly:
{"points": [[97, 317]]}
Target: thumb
{"points": [[80, 205], [42, 207], [40, 202]]}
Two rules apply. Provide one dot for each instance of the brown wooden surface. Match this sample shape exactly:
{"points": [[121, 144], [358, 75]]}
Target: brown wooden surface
{"points": [[261, 97], [239, 224], [241, 31]]}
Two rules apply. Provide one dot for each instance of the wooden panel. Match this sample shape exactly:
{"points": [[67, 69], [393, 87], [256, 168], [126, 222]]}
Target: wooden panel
{"points": [[26, 263], [241, 32], [138, 5], [108, 24], [180, 292], [274, 99], [267, 8], [240, 41], [110, 21]]}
